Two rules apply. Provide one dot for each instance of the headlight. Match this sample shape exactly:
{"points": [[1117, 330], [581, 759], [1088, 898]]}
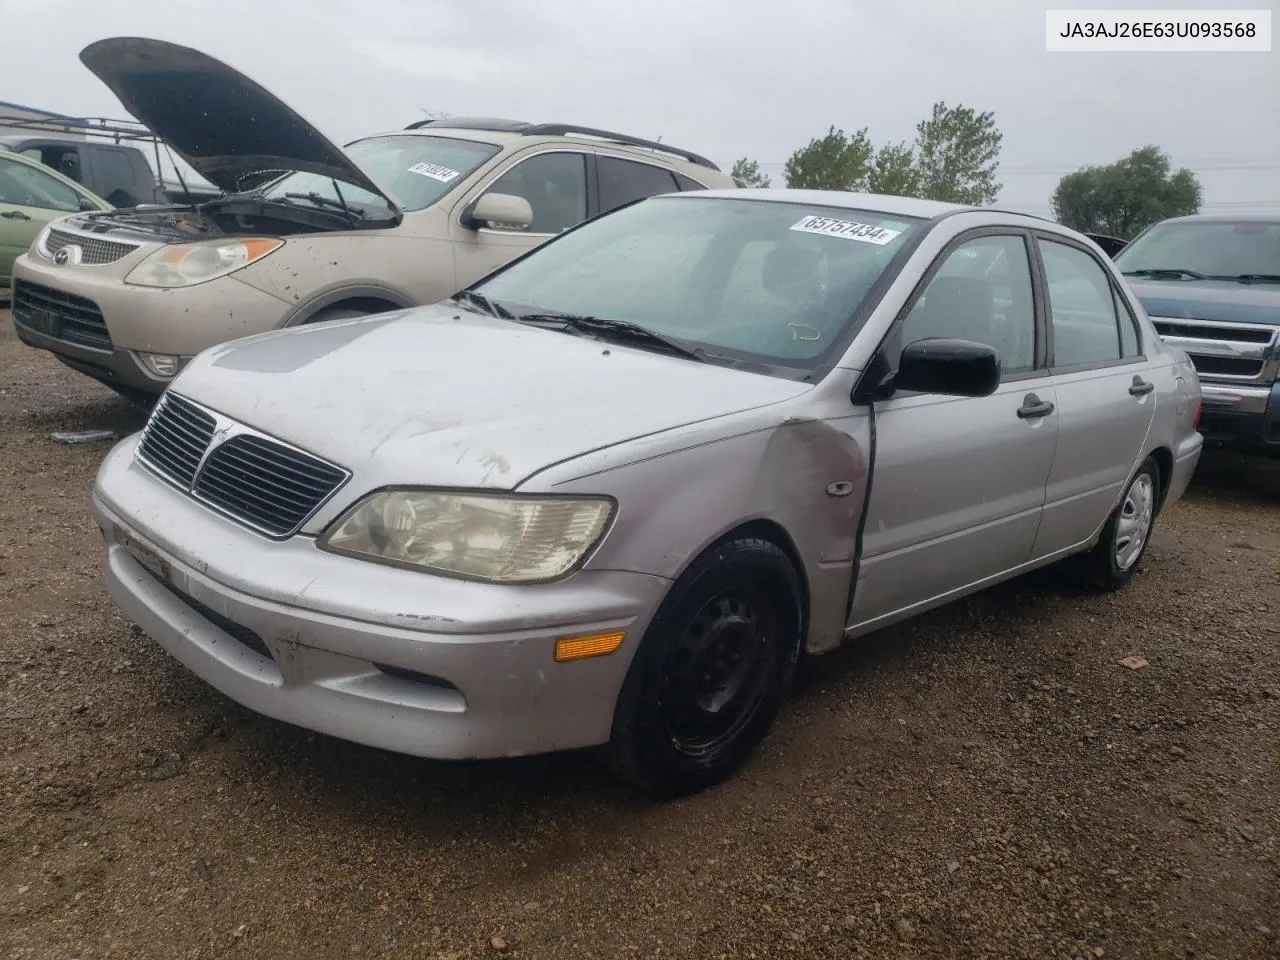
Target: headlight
{"points": [[499, 538], [42, 243], [186, 264]]}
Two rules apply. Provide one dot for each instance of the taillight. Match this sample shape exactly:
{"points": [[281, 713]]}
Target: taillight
{"points": [[1195, 422]]}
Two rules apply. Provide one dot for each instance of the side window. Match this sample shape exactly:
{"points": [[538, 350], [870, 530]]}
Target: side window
{"points": [[27, 187], [555, 184], [1130, 346], [622, 181], [687, 183], [115, 177], [1082, 306], [981, 292]]}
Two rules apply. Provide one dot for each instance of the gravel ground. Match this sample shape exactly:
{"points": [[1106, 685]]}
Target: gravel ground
{"points": [[988, 781]]}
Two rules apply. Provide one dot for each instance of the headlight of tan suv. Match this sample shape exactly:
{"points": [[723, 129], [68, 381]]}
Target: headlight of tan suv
{"points": [[186, 264], [499, 538]]}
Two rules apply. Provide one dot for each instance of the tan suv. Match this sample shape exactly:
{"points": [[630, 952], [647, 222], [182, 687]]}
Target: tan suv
{"points": [[305, 231]]}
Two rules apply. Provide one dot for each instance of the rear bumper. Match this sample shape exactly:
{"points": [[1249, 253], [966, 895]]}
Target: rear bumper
{"points": [[1185, 460], [1244, 416]]}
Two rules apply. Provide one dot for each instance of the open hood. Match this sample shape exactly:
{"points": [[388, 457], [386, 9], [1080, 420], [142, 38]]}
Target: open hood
{"points": [[222, 123]]}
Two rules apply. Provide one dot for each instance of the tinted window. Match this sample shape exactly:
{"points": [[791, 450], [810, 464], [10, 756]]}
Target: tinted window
{"points": [[417, 169], [981, 292], [1082, 307], [555, 184], [115, 177], [622, 181], [749, 279], [27, 187], [687, 183]]}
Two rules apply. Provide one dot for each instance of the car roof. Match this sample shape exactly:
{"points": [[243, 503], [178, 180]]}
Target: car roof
{"points": [[879, 202]]}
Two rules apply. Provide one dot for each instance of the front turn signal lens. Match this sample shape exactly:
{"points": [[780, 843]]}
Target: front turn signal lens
{"points": [[594, 645]]}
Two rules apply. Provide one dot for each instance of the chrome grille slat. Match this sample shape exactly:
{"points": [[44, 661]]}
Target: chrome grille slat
{"points": [[94, 250], [1245, 353], [252, 478]]}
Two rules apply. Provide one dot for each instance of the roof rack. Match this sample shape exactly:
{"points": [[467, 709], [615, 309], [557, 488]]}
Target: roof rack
{"points": [[560, 130]]}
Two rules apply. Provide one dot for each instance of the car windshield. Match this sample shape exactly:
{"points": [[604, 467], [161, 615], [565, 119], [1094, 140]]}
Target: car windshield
{"points": [[417, 170], [759, 281], [1210, 248]]}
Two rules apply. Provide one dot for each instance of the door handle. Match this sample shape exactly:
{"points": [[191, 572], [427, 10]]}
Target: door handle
{"points": [[1033, 408], [1140, 387], [14, 215]]}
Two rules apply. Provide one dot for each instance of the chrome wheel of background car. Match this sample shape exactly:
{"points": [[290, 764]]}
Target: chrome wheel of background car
{"points": [[1134, 523], [717, 673]]}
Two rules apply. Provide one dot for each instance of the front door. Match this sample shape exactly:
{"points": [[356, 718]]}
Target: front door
{"points": [[1105, 396], [959, 483], [555, 184]]}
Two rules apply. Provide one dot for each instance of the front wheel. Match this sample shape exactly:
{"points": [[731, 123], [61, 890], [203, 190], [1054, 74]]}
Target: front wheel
{"points": [[712, 670], [1123, 544]]}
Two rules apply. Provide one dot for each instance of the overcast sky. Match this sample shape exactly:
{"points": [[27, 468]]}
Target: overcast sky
{"points": [[727, 79]]}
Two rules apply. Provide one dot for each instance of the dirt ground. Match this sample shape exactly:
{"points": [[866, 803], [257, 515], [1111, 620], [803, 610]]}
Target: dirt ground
{"points": [[987, 782]]}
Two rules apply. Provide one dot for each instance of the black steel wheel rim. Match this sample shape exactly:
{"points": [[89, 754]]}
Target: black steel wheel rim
{"points": [[718, 673]]}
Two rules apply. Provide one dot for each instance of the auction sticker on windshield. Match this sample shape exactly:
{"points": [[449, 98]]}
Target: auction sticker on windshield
{"points": [[434, 171], [847, 229]]}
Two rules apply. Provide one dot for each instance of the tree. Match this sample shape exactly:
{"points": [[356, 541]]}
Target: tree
{"points": [[1123, 198], [893, 171], [748, 172], [956, 156], [838, 161]]}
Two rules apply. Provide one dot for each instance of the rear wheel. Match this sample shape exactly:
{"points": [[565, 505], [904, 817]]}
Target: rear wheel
{"points": [[1123, 544], [712, 671]]}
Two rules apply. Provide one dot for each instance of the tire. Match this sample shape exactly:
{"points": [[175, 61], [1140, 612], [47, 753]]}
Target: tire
{"points": [[737, 615], [1115, 559]]}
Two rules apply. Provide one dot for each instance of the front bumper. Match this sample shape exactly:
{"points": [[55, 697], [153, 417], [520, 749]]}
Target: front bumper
{"points": [[123, 322], [408, 662], [1247, 416]]}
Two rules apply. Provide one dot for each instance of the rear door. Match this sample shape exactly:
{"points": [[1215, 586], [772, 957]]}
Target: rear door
{"points": [[959, 483], [623, 180], [1106, 397]]}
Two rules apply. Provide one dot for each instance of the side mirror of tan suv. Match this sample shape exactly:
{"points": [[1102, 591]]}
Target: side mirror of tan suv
{"points": [[503, 211]]}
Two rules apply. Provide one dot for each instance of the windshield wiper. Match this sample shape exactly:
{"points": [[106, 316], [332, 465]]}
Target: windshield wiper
{"points": [[320, 201], [1166, 272], [1251, 277], [616, 329], [478, 301]]}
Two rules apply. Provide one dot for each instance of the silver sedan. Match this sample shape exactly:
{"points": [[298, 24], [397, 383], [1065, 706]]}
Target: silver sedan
{"points": [[608, 496]]}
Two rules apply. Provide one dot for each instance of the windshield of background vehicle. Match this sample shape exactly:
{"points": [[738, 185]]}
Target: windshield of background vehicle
{"points": [[1222, 249], [753, 280], [417, 170]]}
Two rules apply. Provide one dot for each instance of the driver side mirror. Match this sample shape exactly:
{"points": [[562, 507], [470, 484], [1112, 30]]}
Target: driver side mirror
{"points": [[957, 368], [85, 204], [502, 211]]}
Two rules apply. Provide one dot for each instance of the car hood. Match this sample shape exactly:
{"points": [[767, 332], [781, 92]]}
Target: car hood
{"points": [[443, 396], [1222, 300], [223, 124]]}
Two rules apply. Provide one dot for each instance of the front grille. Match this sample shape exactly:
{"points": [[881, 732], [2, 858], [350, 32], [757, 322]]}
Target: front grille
{"points": [[1189, 328], [176, 437], [260, 482], [63, 316], [266, 483], [94, 252], [1226, 366]]}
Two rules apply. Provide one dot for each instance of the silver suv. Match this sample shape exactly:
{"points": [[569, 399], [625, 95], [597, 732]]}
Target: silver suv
{"points": [[390, 221]]}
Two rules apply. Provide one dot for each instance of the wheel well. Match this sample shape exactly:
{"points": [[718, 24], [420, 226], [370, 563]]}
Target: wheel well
{"points": [[775, 534], [365, 304], [1164, 460]]}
